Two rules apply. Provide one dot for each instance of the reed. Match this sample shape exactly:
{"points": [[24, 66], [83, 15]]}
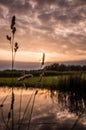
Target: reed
{"points": [[14, 47], [25, 76]]}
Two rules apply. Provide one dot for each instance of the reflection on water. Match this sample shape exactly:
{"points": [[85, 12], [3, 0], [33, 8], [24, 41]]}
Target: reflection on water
{"points": [[52, 110], [73, 102]]}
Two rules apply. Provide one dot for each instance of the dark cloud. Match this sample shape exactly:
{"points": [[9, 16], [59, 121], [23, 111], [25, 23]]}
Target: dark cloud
{"points": [[64, 3], [43, 2], [80, 2], [15, 6], [44, 17], [70, 12], [68, 17], [21, 7], [7, 1], [61, 3]]}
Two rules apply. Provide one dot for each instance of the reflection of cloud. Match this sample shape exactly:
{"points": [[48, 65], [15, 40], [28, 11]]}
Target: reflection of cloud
{"points": [[56, 22]]}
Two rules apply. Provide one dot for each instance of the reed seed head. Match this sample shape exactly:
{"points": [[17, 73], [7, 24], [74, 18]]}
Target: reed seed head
{"points": [[16, 46], [43, 59], [13, 22], [1, 105], [8, 38], [25, 77]]}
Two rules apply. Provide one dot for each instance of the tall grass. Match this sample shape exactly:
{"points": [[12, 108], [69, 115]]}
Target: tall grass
{"points": [[14, 48], [76, 82]]}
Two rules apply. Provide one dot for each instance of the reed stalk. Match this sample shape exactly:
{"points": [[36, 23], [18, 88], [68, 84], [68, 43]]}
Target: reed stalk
{"points": [[14, 48]]}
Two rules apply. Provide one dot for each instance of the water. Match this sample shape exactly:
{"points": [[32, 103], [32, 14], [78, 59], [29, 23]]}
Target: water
{"points": [[34, 66], [4, 65], [52, 110]]}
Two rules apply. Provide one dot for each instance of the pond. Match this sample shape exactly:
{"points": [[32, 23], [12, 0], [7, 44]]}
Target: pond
{"points": [[36, 109]]}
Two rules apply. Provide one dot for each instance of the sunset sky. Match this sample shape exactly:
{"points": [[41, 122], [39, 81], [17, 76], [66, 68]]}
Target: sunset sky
{"points": [[55, 27]]}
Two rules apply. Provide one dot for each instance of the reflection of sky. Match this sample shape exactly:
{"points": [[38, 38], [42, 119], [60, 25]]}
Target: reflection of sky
{"points": [[47, 114], [51, 26]]}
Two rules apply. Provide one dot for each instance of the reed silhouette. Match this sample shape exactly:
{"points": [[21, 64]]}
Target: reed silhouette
{"points": [[14, 47]]}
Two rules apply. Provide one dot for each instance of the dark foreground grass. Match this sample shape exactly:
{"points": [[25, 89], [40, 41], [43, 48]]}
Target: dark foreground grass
{"points": [[72, 83]]}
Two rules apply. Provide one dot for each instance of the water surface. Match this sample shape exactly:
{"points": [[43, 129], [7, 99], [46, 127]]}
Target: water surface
{"points": [[52, 110]]}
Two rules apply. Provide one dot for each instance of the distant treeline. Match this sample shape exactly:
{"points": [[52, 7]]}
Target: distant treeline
{"points": [[62, 67], [50, 70], [19, 73]]}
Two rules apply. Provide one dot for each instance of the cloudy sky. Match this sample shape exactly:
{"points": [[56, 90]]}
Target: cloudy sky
{"points": [[56, 27]]}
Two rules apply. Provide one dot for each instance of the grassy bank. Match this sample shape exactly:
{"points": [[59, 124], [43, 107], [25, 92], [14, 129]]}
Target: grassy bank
{"points": [[46, 82], [61, 82]]}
